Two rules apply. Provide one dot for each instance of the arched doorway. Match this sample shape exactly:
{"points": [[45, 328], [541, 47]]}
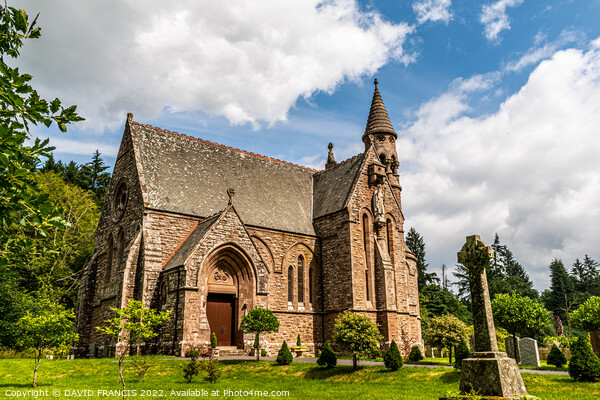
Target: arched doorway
{"points": [[229, 292]]}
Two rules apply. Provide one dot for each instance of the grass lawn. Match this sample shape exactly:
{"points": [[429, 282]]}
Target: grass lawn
{"points": [[300, 380]]}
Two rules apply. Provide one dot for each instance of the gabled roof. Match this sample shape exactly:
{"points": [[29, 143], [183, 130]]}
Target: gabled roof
{"points": [[185, 248], [191, 176], [333, 186]]}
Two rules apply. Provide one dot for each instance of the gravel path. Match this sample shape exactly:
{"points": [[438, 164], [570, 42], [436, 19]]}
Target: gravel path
{"points": [[366, 362]]}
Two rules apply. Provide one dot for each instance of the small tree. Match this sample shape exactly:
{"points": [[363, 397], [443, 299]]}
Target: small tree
{"points": [[584, 366], [587, 316], [462, 352], [132, 324], [327, 356], [257, 321], [284, 357], [50, 325], [445, 331], [298, 341], [518, 314], [357, 335], [213, 341], [415, 354], [392, 358], [556, 357]]}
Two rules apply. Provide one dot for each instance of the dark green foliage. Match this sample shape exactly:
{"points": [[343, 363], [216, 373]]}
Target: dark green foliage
{"points": [[392, 358], [415, 354], [327, 356], [263, 353], [284, 357], [462, 352], [298, 342], [560, 299], [584, 366], [213, 340], [556, 357], [193, 353], [416, 244], [435, 301]]}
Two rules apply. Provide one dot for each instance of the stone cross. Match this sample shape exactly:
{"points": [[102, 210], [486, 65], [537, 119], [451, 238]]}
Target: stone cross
{"points": [[475, 256]]}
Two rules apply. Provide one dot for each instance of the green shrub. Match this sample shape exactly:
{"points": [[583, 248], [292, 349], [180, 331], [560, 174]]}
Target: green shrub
{"points": [[263, 353], [556, 357], [193, 353], [284, 357], [213, 340], [392, 358], [462, 352], [584, 365], [298, 342], [415, 354], [210, 366], [327, 356], [190, 369]]}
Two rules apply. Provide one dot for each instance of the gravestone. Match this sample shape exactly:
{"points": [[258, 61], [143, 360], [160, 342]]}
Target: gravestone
{"points": [[487, 372], [530, 356], [509, 343]]}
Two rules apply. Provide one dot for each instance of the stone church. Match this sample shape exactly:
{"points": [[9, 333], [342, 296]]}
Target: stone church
{"points": [[210, 232]]}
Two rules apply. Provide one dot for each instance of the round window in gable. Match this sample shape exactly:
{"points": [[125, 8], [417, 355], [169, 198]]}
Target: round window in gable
{"points": [[120, 200]]}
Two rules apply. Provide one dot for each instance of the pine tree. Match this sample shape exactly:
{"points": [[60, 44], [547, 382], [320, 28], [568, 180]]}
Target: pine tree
{"points": [[560, 298], [97, 180], [584, 366], [327, 356], [284, 357], [392, 358], [556, 357], [462, 352], [416, 244], [415, 354]]}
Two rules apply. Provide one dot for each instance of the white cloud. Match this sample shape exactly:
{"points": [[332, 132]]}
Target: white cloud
{"points": [[247, 61], [494, 17], [432, 10], [528, 171]]}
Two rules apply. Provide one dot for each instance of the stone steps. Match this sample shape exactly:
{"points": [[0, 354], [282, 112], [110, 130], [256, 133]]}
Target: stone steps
{"points": [[229, 351]]}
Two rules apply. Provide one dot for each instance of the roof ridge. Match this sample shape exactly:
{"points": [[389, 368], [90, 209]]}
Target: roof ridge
{"points": [[224, 146], [346, 161]]}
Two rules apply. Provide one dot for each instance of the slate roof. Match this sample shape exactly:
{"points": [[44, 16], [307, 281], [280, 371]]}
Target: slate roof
{"points": [[191, 176], [188, 243], [332, 186], [379, 120]]}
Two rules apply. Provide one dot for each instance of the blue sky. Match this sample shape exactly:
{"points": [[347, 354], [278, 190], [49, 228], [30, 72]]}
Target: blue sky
{"points": [[497, 103]]}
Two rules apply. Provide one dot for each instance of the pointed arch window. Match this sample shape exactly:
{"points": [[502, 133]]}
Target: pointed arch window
{"points": [[311, 284], [367, 252], [120, 248], [300, 279], [290, 284], [109, 257], [389, 227]]}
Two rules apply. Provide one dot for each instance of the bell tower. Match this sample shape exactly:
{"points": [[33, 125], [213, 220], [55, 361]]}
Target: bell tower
{"points": [[384, 137]]}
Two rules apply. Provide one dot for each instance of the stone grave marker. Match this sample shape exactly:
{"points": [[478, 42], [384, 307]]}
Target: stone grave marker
{"points": [[530, 356], [509, 342], [487, 371]]}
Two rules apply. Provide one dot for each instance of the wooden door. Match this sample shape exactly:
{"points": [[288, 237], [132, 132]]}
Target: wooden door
{"points": [[219, 311]]}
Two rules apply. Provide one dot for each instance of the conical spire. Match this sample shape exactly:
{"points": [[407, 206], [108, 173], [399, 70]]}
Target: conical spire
{"points": [[379, 121]]}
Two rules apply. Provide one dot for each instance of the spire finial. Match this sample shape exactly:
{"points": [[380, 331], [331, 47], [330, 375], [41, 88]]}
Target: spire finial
{"points": [[230, 193], [378, 121], [375, 82], [330, 158]]}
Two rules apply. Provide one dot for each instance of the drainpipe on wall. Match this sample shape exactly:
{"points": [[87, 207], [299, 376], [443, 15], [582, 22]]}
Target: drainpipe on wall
{"points": [[176, 312]]}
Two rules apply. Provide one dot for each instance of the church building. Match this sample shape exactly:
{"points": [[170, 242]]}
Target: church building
{"points": [[210, 232]]}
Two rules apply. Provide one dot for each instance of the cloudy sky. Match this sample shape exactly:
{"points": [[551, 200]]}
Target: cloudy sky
{"points": [[496, 103]]}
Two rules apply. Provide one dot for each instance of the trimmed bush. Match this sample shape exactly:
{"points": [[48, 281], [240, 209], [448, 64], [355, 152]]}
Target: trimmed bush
{"points": [[213, 340], [263, 353], [284, 357], [556, 357], [392, 358], [462, 352], [415, 354], [298, 342], [584, 365], [327, 357]]}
